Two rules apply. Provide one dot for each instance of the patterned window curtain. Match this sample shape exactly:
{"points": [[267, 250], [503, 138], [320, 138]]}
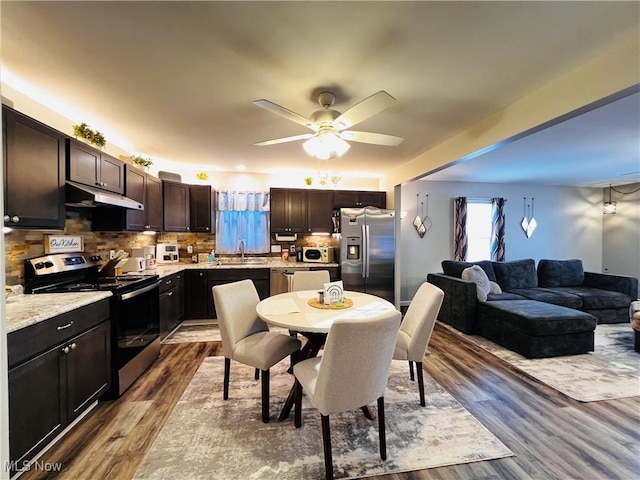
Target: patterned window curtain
{"points": [[460, 229], [497, 229], [242, 216]]}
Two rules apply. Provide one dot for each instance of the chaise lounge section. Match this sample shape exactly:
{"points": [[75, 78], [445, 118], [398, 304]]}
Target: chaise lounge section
{"points": [[546, 312]]}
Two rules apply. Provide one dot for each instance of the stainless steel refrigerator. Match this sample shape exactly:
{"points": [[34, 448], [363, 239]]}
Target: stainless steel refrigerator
{"points": [[367, 251]]}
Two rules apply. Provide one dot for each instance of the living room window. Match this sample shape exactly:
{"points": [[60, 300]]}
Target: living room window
{"points": [[478, 229]]}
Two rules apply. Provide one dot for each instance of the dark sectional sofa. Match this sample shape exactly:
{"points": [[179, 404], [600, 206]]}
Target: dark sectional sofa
{"points": [[546, 311]]}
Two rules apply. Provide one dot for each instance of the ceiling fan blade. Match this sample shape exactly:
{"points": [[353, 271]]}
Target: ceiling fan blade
{"points": [[275, 141], [373, 138], [283, 112], [363, 110]]}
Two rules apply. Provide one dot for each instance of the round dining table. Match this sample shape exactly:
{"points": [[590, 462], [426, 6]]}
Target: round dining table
{"points": [[301, 312]]}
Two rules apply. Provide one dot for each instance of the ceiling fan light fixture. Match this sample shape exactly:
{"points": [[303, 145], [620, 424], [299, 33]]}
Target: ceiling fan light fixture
{"points": [[326, 145]]}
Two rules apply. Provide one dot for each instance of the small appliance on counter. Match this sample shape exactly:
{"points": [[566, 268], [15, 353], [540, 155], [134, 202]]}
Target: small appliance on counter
{"points": [[167, 253], [148, 253], [317, 254], [134, 264]]}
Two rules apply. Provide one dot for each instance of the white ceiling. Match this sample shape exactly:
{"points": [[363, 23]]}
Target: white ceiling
{"points": [[176, 80]]}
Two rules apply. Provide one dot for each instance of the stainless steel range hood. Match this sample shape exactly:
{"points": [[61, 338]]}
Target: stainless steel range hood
{"points": [[79, 195]]}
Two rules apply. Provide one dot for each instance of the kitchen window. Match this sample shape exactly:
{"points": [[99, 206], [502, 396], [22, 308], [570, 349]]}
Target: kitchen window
{"points": [[242, 222]]}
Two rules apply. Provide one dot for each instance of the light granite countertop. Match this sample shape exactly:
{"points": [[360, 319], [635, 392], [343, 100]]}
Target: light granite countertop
{"points": [[170, 269], [25, 310]]}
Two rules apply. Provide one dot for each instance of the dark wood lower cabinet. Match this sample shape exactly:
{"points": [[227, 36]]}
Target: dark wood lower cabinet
{"points": [[54, 378], [51, 390], [171, 302], [198, 284]]}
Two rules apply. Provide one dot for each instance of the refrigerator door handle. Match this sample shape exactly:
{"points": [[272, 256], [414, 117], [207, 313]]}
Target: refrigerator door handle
{"points": [[366, 250]]}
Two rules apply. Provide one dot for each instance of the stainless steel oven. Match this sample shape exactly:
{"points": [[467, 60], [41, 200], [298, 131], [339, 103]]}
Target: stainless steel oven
{"points": [[134, 309], [135, 316]]}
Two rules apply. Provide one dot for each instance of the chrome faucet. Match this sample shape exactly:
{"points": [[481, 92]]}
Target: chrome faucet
{"points": [[241, 249]]}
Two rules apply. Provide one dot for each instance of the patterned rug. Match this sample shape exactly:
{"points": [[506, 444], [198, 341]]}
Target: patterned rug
{"points": [[611, 371], [206, 437]]}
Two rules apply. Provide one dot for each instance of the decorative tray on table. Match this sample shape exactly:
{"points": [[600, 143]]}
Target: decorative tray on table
{"points": [[345, 303]]}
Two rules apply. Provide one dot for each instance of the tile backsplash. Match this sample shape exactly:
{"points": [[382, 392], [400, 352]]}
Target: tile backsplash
{"points": [[23, 244]]}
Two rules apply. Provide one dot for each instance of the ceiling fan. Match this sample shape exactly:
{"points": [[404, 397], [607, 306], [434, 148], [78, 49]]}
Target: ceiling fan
{"points": [[329, 126]]}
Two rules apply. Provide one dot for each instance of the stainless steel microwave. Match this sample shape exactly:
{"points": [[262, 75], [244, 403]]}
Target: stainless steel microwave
{"points": [[317, 254]]}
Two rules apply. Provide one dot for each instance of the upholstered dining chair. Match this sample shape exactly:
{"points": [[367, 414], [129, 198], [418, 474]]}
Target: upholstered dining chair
{"points": [[416, 329], [351, 373], [246, 338], [309, 280]]}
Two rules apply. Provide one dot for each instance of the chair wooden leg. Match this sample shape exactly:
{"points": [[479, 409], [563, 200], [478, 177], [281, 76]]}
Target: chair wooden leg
{"points": [[382, 433], [256, 375], [420, 382], [265, 396], [411, 371], [298, 407], [326, 442], [227, 369]]}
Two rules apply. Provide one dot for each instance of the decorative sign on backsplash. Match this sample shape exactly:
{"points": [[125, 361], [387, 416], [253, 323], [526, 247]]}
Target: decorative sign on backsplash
{"points": [[63, 243]]}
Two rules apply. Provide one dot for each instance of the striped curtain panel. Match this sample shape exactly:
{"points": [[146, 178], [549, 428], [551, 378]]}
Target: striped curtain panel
{"points": [[460, 229], [497, 229]]}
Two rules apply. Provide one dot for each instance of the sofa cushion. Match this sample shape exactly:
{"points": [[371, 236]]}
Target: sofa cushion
{"points": [[516, 274], [537, 318], [551, 295], [504, 296], [454, 268], [476, 275], [596, 298], [560, 273]]}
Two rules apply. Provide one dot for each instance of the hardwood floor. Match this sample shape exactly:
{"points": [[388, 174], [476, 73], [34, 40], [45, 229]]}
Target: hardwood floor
{"points": [[553, 436]]}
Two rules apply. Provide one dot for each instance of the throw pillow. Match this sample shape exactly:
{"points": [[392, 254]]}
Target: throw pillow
{"points": [[494, 287], [478, 276]]}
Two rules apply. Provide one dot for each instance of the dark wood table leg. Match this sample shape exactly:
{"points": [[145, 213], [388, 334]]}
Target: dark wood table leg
{"points": [[368, 412], [310, 349]]}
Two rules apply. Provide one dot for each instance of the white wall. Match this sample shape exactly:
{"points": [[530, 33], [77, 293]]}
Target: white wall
{"points": [[569, 225], [621, 232]]}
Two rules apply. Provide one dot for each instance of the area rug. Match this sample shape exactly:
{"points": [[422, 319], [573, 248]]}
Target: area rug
{"points": [[206, 437], [611, 371], [187, 333]]}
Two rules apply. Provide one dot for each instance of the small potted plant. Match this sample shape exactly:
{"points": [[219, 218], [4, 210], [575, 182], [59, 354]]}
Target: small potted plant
{"points": [[308, 180], [204, 176], [94, 137], [141, 161]]}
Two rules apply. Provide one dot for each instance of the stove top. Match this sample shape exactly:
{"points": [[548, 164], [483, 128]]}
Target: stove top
{"points": [[72, 273]]}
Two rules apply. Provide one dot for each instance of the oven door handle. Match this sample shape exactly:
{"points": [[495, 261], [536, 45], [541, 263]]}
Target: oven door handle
{"points": [[135, 293]]}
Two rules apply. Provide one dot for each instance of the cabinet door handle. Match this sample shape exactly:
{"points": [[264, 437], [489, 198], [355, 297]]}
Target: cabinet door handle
{"points": [[73, 346], [65, 350], [15, 219], [62, 327], [6, 218], [169, 294], [168, 282]]}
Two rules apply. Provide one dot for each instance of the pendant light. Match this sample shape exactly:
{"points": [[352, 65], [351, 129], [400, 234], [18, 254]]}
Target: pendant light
{"points": [[609, 208]]}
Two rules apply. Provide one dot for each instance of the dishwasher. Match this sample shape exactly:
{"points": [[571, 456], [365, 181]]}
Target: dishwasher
{"points": [[280, 279]]}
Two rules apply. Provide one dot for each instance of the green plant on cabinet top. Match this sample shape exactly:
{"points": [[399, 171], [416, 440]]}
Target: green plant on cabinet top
{"points": [[93, 137]]}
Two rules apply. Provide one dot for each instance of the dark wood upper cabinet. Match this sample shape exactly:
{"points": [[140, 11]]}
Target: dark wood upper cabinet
{"points": [[201, 208], [360, 198], [34, 173], [90, 166], [288, 210], [319, 211], [175, 197], [139, 186], [153, 203]]}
